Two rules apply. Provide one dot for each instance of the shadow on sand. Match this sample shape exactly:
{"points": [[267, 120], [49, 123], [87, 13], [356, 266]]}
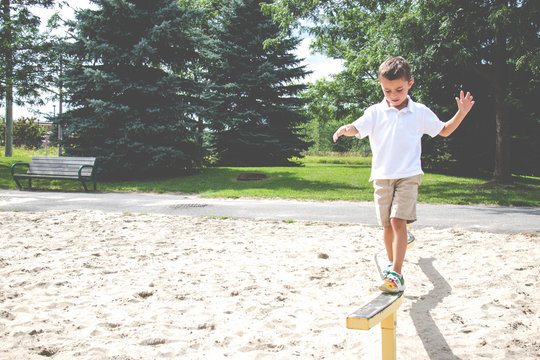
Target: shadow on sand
{"points": [[436, 346]]}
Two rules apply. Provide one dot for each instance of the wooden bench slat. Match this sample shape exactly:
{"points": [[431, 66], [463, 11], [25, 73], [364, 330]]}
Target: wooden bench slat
{"points": [[70, 169], [56, 166], [45, 176], [45, 160], [64, 158], [50, 171], [67, 167], [62, 162]]}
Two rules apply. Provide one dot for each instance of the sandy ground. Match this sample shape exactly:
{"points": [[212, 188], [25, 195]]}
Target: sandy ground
{"points": [[93, 285]]}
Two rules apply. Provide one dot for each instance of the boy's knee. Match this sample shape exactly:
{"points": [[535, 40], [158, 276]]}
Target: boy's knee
{"points": [[397, 223]]}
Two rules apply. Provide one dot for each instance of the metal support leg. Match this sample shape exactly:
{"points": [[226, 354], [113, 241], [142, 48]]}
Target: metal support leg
{"points": [[388, 336], [18, 184]]}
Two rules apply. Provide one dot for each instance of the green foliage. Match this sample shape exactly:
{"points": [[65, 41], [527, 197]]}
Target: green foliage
{"points": [[490, 48], [133, 100], [28, 133], [22, 50], [255, 111], [23, 58], [332, 103]]}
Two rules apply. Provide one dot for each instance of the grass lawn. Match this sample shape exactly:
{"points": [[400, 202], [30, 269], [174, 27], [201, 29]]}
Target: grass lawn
{"points": [[321, 178]]}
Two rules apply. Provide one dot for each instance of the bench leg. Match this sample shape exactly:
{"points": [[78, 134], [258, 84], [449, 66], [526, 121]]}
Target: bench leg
{"points": [[388, 337], [29, 183], [84, 186], [18, 183]]}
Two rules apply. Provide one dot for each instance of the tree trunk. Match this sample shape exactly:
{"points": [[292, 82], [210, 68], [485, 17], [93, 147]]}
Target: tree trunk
{"points": [[9, 77], [502, 171]]}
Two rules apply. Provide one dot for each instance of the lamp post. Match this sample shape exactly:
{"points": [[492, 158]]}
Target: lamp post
{"points": [[54, 117], [59, 130], [61, 93], [59, 139]]}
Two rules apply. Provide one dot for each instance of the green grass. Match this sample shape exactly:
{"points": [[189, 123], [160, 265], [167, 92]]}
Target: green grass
{"points": [[19, 155], [435, 188], [327, 177], [312, 181]]}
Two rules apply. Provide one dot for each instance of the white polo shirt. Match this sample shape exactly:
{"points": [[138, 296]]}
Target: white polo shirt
{"points": [[395, 137]]}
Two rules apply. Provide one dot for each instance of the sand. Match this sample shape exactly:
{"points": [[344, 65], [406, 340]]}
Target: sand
{"points": [[95, 285]]}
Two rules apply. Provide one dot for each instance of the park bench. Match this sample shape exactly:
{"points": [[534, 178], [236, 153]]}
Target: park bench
{"points": [[62, 168]]}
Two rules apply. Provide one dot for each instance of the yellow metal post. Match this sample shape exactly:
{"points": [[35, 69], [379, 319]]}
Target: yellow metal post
{"points": [[388, 336]]}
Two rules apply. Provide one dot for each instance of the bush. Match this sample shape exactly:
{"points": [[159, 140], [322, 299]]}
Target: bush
{"points": [[28, 133]]}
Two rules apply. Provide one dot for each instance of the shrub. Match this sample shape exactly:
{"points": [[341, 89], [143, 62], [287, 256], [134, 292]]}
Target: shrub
{"points": [[28, 133]]}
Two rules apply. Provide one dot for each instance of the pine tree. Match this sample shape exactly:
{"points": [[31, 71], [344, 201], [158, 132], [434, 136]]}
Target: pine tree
{"points": [[131, 96], [256, 110]]}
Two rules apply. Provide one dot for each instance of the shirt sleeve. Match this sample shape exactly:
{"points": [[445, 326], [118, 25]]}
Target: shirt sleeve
{"points": [[364, 124], [432, 124]]}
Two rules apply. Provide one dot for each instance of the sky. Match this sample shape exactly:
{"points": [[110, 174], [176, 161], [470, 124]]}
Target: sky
{"points": [[320, 65]]}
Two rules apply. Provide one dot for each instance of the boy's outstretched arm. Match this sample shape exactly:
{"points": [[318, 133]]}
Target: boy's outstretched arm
{"points": [[464, 103], [347, 130]]}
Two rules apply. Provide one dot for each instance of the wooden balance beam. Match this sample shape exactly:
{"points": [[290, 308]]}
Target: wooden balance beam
{"points": [[382, 309]]}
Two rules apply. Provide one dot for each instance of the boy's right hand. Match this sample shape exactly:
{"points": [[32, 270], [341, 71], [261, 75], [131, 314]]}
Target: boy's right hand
{"points": [[347, 130]]}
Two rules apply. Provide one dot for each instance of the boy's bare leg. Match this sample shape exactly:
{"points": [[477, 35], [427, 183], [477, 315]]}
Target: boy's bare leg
{"points": [[388, 235], [399, 243]]}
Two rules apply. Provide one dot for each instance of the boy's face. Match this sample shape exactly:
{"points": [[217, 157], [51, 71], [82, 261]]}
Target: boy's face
{"points": [[395, 91]]}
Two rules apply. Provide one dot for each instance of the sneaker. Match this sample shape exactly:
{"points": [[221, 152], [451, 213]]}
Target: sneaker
{"points": [[387, 270], [393, 282]]}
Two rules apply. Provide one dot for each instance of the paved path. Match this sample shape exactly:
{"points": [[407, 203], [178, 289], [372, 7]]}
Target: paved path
{"points": [[497, 219]]}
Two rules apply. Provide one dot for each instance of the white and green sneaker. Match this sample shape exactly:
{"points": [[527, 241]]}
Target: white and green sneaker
{"points": [[392, 282]]}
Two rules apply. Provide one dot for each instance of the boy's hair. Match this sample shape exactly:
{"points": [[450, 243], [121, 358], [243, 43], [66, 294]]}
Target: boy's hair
{"points": [[395, 67]]}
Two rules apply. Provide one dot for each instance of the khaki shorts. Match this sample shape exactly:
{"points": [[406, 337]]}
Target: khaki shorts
{"points": [[396, 198]]}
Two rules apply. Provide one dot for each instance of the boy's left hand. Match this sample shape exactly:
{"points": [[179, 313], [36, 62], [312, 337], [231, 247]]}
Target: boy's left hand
{"points": [[464, 103]]}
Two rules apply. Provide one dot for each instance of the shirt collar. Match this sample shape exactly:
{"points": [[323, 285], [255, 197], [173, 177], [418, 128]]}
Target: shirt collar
{"points": [[409, 108]]}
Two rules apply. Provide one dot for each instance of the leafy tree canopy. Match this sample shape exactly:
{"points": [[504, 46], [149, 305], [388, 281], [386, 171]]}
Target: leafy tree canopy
{"points": [[489, 47], [23, 55]]}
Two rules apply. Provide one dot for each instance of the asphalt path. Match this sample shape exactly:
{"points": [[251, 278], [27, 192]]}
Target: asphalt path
{"points": [[496, 219]]}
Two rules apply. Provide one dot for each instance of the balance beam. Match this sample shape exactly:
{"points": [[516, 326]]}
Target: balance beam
{"points": [[382, 309]]}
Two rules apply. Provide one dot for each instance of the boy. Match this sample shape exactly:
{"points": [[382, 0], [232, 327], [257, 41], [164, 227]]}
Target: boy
{"points": [[395, 128]]}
